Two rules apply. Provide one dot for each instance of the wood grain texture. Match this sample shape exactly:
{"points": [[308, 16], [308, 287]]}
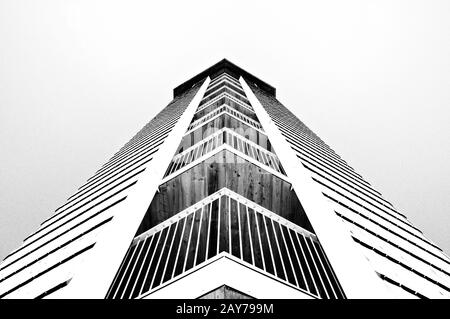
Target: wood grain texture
{"points": [[225, 292], [228, 102], [220, 122], [225, 169]]}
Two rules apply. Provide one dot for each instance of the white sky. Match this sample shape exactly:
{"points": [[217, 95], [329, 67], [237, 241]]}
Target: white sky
{"points": [[79, 78]]}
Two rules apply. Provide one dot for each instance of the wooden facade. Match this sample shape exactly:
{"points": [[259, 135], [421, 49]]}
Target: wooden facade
{"points": [[225, 169], [220, 122]]}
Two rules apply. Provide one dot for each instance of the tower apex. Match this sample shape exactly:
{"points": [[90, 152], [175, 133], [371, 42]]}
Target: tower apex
{"points": [[220, 67]]}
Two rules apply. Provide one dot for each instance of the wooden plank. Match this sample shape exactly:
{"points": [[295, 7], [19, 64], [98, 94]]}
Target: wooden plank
{"points": [[225, 169]]}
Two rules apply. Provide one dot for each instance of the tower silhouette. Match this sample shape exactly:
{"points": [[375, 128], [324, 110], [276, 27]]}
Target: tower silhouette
{"points": [[226, 194]]}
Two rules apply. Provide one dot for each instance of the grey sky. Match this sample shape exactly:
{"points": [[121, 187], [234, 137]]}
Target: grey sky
{"points": [[79, 78]]}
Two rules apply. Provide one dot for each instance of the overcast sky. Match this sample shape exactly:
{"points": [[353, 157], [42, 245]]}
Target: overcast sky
{"points": [[79, 78]]}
